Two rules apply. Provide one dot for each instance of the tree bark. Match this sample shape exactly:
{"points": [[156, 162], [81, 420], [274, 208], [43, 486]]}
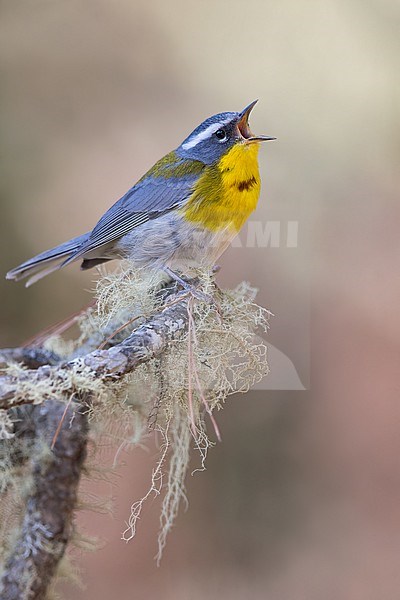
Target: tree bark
{"points": [[47, 523]]}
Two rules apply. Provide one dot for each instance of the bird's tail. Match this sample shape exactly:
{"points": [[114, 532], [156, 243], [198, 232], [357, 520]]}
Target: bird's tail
{"points": [[41, 265]]}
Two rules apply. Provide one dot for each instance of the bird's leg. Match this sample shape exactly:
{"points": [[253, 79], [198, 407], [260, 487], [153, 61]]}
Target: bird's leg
{"points": [[202, 296]]}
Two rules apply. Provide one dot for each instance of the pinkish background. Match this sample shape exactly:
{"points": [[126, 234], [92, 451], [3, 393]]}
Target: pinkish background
{"points": [[301, 500]]}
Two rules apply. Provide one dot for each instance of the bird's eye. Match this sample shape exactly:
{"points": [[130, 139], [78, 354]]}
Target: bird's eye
{"points": [[221, 135]]}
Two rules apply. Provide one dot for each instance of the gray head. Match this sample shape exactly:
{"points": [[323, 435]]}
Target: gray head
{"points": [[217, 134]]}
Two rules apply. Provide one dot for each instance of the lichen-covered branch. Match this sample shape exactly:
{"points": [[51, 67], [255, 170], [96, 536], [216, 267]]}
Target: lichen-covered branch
{"points": [[46, 394], [145, 343], [46, 526], [47, 522]]}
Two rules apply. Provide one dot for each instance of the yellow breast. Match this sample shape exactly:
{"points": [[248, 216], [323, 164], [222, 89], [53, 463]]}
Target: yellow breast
{"points": [[227, 193]]}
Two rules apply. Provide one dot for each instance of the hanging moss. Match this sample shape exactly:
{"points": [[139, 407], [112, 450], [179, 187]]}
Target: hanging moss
{"points": [[173, 396]]}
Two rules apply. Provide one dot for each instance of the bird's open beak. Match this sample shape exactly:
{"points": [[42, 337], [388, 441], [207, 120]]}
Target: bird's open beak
{"points": [[244, 129]]}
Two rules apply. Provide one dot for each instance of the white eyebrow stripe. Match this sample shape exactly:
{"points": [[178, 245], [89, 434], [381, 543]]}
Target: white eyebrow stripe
{"points": [[203, 135]]}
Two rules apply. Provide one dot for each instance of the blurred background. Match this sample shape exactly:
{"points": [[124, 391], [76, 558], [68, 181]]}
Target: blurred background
{"points": [[301, 499]]}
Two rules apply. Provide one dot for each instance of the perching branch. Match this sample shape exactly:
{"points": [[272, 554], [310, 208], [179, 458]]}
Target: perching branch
{"points": [[47, 522], [145, 343], [45, 400]]}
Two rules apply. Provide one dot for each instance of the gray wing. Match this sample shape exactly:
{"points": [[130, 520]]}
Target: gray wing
{"points": [[148, 199]]}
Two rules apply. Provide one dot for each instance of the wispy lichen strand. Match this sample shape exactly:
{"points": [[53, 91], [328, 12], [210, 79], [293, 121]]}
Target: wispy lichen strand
{"points": [[152, 373]]}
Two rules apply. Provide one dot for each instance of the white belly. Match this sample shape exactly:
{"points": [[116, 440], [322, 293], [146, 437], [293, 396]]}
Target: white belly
{"points": [[170, 240]]}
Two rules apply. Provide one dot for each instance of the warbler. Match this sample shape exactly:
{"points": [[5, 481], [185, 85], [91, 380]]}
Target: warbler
{"points": [[182, 213]]}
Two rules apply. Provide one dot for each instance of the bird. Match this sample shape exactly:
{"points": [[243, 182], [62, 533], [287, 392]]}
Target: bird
{"points": [[182, 214]]}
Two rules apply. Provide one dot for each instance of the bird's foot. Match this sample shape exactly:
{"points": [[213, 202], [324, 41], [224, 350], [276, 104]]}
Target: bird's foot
{"points": [[193, 290]]}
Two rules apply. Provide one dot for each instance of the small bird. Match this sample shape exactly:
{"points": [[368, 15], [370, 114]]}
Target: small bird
{"points": [[182, 213]]}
